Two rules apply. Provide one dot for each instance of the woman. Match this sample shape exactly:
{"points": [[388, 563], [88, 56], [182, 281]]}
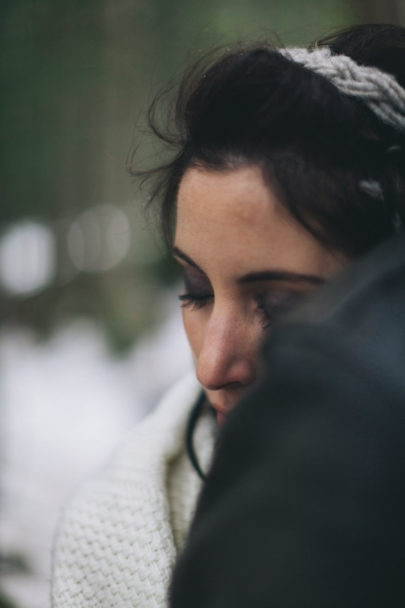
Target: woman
{"points": [[288, 165], [304, 501]]}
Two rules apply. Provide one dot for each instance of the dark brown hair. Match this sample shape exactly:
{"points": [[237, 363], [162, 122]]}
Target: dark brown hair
{"points": [[314, 145]]}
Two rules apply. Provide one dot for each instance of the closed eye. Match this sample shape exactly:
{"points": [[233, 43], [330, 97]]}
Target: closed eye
{"points": [[195, 302], [275, 305], [198, 289]]}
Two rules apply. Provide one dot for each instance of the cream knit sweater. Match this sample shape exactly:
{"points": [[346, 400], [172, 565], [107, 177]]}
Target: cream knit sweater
{"points": [[120, 535]]}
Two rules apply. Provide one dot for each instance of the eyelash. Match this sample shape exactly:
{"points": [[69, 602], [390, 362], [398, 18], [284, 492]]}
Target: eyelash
{"points": [[198, 302], [194, 302], [267, 316]]}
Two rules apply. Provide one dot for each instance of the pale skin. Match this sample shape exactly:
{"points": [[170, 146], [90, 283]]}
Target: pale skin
{"points": [[245, 260]]}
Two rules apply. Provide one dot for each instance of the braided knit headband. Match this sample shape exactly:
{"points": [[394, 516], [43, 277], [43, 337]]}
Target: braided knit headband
{"points": [[378, 90]]}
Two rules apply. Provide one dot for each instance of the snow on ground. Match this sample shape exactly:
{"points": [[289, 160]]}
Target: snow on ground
{"points": [[64, 404]]}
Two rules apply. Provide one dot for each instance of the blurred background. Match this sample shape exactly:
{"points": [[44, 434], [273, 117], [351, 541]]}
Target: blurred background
{"points": [[90, 331]]}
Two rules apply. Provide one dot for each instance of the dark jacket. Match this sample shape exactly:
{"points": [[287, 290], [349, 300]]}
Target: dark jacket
{"points": [[305, 502]]}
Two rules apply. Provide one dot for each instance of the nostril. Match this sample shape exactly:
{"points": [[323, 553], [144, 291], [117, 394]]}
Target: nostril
{"points": [[208, 382], [232, 373]]}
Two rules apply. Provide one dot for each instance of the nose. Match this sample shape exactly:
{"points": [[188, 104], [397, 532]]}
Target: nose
{"points": [[229, 353]]}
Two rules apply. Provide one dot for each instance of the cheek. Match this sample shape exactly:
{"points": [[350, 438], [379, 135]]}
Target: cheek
{"points": [[194, 325]]}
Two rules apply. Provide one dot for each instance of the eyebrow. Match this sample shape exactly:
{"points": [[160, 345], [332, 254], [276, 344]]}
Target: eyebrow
{"points": [[180, 254], [281, 275], [263, 275]]}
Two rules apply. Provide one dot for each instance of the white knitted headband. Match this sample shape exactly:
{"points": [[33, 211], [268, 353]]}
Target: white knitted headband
{"points": [[378, 90]]}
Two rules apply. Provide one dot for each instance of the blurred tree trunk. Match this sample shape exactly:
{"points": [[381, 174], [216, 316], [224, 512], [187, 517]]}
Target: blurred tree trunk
{"points": [[381, 11]]}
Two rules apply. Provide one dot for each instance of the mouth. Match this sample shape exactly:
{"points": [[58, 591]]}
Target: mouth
{"points": [[222, 415], [221, 419]]}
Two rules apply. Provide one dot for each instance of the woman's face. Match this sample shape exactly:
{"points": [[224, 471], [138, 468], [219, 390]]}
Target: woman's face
{"points": [[245, 261]]}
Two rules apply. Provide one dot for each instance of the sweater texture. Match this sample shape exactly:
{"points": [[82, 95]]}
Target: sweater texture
{"points": [[120, 535]]}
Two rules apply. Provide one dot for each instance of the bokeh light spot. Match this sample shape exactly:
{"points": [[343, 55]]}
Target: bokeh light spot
{"points": [[27, 258], [99, 238]]}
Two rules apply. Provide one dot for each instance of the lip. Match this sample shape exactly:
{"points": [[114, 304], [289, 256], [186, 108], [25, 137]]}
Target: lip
{"points": [[221, 419], [222, 414]]}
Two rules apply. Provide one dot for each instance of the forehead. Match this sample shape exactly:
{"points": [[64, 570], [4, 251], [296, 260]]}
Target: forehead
{"points": [[235, 195], [235, 217], [232, 204]]}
